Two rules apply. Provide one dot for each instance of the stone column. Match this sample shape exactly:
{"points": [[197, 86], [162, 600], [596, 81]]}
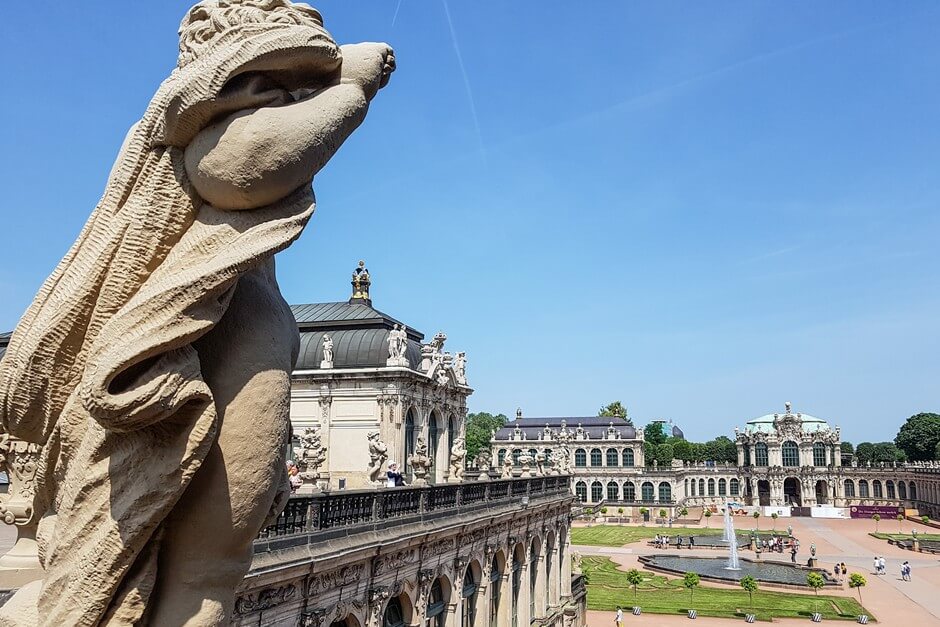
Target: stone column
{"points": [[740, 455], [522, 609], [483, 589], [554, 575], [565, 557], [504, 612], [20, 460], [541, 602]]}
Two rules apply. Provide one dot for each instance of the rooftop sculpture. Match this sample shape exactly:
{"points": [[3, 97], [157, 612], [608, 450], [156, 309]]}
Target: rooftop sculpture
{"points": [[165, 317]]}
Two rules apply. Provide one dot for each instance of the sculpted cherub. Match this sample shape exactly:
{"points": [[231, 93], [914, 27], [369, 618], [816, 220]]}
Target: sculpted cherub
{"points": [[161, 347]]}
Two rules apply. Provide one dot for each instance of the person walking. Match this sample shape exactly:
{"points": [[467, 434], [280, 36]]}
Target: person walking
{"points": [[691, 542], [838, 573], [793, 555], [905, 571], [876, 566], [845, 572], [618, 619], [678, 542], [883, 565]]}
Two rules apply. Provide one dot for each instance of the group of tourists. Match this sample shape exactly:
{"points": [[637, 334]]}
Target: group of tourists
{"points": [[663, 541], [880, 567], [841, 571]]}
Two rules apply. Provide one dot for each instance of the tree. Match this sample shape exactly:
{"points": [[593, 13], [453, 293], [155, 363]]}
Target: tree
{"points": [[662, 513], [690, 581], [708, 514], [750, 586], [774, 516], [816, 582], [620, 514], [847, 448], [684, 511], [876, 518], [858, 582], [878, 452], [756, 515], [863, 452], [634, 578], [655, 433], [480, 427], [682, 449], [604, 511], [919, 436], [615, 409], [925, 519]]}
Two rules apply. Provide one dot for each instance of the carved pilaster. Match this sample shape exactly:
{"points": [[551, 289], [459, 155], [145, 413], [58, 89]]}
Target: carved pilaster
{"points": [[20, 460]]}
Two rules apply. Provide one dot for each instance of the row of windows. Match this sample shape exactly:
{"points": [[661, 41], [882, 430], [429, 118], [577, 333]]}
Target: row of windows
{"points": [[789, 453], [628, 494], [613, 457], [725, 488], [876, 490]]}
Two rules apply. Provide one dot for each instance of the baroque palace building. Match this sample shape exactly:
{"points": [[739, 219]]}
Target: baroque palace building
{"points": [[443, 551], [785, 460]]}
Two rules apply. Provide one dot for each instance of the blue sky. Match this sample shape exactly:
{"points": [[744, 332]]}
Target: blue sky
{"points": [[700, 209]]}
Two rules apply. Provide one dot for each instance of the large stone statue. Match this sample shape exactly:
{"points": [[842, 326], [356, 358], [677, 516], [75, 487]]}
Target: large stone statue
{"points": [[378, 455], [310, 455], [458, 453], [420, 462], [161, 347]]}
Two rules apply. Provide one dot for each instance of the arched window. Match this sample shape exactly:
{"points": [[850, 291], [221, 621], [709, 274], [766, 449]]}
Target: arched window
{"points": [[747, 455], [701, 487], [496, 575], [790, 453], [665, 492], [468, 598], [516, 585], [613, 491], [735, 487], [849, 489], [628, 457], [722, 487], [819, 454], [902, 490], [533, 576], [532, 454], [501, 457], [612, 457], [692, 486], [596, 458], [597, 492], [686, 485], [410, 440], [863, 489], [433, 433], [647, 489], [549, 552], [434, 614], [711, 487], [452, 430], [394, 614], [629, 491], [913, 489], [580, 490], [760, 454], [580, 458], [876, 489], [889, 487], [516, 454]]}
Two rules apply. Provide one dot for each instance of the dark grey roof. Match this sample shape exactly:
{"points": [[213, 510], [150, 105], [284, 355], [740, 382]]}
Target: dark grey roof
{"points": [[359, 333], [595, 427], [4, 342]]}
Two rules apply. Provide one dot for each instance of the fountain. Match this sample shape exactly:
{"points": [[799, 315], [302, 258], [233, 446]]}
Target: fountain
{"points": [[731, 539]]}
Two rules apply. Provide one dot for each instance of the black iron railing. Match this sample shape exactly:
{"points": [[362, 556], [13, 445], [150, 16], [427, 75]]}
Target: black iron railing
{"points": [[370, 508]]}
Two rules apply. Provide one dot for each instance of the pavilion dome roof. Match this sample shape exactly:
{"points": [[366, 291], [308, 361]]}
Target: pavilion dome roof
{"points": [[768, 422]]}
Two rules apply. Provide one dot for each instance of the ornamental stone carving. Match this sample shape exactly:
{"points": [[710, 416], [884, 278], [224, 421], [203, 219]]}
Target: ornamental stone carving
{"points": [[310, 455], [20, 460], [540, 465], [507, 468], [337, 578], [264, 600], [457, 456], [420, 462], [378, 455], [525, 461], [460, 368], [484, 460], [397, 346], [165, 317]]}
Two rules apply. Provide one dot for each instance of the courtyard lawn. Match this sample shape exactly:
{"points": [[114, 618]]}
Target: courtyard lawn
{"points": [[615, 535], [607, 588], [935, 537]]}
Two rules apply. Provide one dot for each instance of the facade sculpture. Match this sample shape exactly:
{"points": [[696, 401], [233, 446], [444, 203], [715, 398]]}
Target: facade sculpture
{"points": [[378, 455], [457, 456], [327, 362], [420, 462], [161, 343], [397, 345], [361, 281], [309, 456], [483, 460], [20, 461], [460, 367]]}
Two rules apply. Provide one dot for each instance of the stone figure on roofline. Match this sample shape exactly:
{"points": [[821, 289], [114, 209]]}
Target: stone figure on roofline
{"points": [[378, 454], [507, 468], [310, 455], [484, 460], [457, 456], [160, 344], [420, 462], [327, 352]]}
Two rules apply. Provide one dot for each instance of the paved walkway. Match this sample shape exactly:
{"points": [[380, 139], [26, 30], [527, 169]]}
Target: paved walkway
{"points": [[894, 602]]}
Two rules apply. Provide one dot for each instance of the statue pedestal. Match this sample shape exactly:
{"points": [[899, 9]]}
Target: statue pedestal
{"points": [[326, 365], [397, 361], [20, 565], [812, 563]]}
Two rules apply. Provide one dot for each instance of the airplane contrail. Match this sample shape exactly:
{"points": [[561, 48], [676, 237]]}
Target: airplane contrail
{"points": [[466, 79], [397, 9]]}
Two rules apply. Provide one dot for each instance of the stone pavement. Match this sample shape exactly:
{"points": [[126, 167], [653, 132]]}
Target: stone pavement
{"points": [[893, 601]]}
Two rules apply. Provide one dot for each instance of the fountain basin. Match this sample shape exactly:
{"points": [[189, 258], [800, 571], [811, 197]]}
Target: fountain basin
{"points": [[716, 569]]}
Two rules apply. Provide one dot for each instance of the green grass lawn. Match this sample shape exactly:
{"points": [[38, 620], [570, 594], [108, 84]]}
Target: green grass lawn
{"points": [[900, 536], [614, 535], [607, 588]]}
